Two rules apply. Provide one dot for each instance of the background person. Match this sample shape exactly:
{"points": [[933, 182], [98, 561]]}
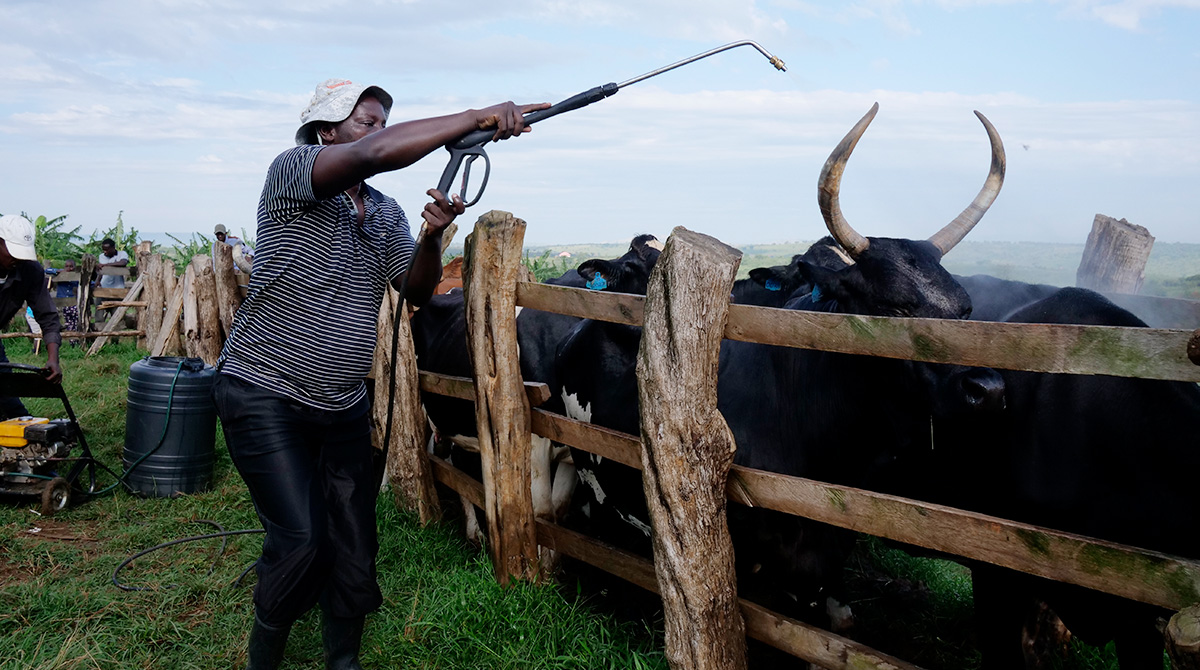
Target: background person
{"points": [[23, 281], [111, 257], [67, 289], [290, 392]]}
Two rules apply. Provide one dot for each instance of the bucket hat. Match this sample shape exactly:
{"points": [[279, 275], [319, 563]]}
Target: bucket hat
{"points": [[332, 102], [18, 235]]}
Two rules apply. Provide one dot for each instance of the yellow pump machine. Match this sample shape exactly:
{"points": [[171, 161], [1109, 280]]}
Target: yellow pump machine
{"points": [[35, 453]]}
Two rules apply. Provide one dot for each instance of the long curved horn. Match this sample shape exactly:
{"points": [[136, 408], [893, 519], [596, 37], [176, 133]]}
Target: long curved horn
{"points": [[946, 238], [831, 182]]}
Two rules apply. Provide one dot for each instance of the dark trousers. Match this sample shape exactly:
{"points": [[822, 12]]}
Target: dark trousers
{"points": [[311, 474], [10, 407]]}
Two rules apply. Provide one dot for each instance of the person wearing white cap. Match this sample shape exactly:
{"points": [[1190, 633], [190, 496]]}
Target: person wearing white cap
{"points": [[290, 392], [23, 282]]}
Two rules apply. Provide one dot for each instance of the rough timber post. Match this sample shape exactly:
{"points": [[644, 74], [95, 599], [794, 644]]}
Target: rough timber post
{"points": [[687, 450], [150, 318], [1183, 639], [493, 265], [408, 469], [147, 266], [1115, 256], [229, 299], [208, 314]]}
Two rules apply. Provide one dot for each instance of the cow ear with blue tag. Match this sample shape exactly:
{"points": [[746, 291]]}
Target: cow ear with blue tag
{"points": [[597, 283], [816, 294], [773, 284]]}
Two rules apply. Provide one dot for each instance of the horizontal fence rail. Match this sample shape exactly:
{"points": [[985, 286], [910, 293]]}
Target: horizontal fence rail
{"points": [[1148, 353], [1129, 572]]}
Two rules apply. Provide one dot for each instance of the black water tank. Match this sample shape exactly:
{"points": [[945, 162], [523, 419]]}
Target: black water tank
{"points": [[175, 394]]}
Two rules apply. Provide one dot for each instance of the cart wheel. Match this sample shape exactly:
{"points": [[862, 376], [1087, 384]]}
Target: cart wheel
{"points": [[56, 496]]}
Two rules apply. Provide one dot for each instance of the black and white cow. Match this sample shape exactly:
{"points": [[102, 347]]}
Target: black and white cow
{"points": [[833, 417], [440, 340]]}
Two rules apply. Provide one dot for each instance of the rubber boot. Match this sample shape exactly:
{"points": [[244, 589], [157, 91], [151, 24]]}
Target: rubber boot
{"points": [[342, 638], [266, 645]]}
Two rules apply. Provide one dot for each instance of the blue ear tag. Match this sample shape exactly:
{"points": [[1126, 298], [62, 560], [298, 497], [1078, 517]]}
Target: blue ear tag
{"points": [[816, 294], [773, 284], [597, 283]]}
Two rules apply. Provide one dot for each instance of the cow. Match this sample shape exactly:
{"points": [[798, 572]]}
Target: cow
{"points": [[1100, 456], [834, 417], [440, 340]]}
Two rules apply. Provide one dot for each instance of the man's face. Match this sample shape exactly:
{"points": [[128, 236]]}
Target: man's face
{"points": [[221, 236], [367, 118], [108, 249], [6, 260]]}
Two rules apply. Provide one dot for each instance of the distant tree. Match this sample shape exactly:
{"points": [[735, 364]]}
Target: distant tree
{"points": [[126, 242], [51, 241], [183, 251]]}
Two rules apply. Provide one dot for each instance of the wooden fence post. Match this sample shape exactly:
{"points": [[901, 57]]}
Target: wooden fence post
{"points": [[150, 318], [1115, 256], [687, 450], [493, 265], [1183, 639], [146, 273], [229, 299], [208, 316], [408, 469]]}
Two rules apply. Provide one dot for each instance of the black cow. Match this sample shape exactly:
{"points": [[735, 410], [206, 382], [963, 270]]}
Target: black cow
{"points": [[993, 299], [1100, 456], [440, 340], [829, 416]]}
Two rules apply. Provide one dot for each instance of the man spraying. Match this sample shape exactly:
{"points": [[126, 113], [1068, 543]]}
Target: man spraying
{"points": [[290, 393]]}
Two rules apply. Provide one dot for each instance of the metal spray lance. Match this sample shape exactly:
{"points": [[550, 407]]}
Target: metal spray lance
{"points": [[469, 147]]}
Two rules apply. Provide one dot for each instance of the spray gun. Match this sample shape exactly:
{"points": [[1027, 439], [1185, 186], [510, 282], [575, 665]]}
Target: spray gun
{"points": [[469, 147]]}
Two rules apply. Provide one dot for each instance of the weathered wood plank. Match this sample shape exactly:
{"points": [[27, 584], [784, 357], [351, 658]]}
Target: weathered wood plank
{"points": [[1007, 543], [797, 638], [611, 444], [168, 335], [209, 316], [605, 306], [1114, 258], [408, 470], [228, 297], [1088, 350], [463, 388], [493, 266], [1183, 639], [459, 481], [75, 334], [148, 264], [116, 318], [687, 449], [1128, 572], [813, 644]]}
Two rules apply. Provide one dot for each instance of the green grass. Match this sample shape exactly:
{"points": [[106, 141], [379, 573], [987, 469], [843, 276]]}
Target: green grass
{"points": [[442, 608]]}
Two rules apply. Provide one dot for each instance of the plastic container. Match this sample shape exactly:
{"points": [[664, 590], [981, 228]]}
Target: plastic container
{"points": [[170, 426]]}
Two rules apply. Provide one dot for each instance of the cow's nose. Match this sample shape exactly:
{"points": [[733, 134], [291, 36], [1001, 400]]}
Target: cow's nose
{"points": [[983, 389]]}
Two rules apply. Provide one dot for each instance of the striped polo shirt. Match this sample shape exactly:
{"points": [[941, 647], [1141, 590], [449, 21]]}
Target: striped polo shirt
{"points": [[307, 328]]}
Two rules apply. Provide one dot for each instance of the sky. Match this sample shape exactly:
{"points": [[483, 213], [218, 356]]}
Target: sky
{"points": [[169, 112]]}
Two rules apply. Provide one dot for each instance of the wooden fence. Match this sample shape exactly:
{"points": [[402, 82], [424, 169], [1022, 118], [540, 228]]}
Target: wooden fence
{"points": [[679, 353]]}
